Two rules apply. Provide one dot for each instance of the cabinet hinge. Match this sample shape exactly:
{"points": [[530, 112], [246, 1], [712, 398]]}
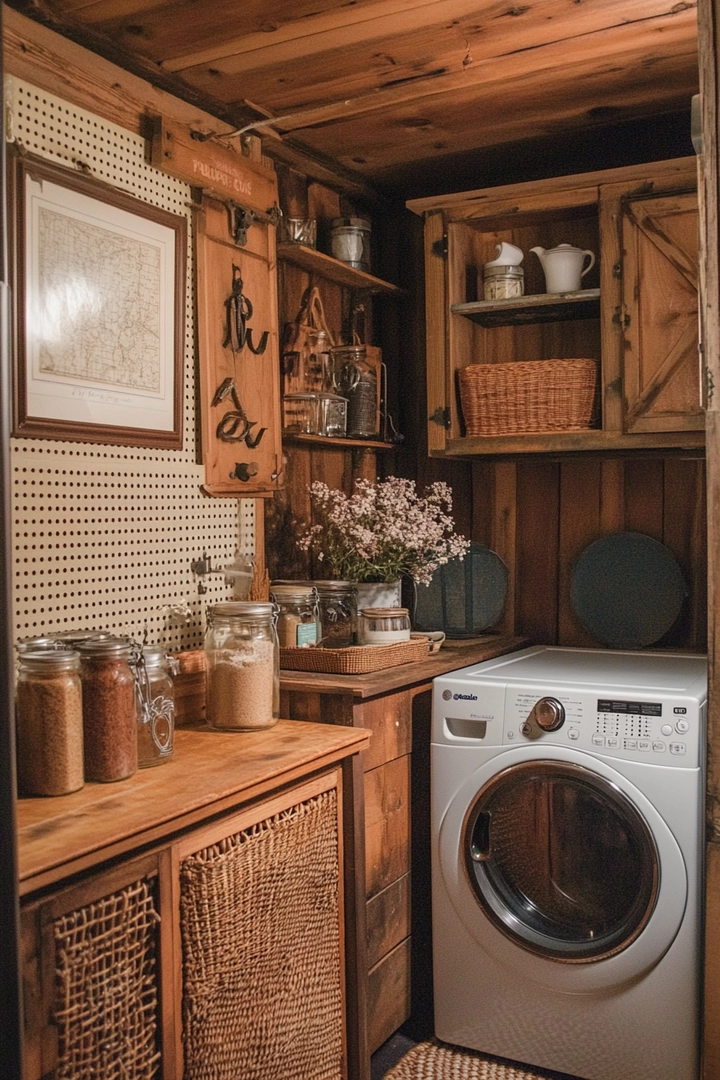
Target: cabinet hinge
{"points": [[440, 247], [621, 318], [441, 417]]}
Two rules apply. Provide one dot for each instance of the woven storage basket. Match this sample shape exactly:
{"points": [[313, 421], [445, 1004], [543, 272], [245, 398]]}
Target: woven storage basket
{"points": [[355, 659], [529, 396]]}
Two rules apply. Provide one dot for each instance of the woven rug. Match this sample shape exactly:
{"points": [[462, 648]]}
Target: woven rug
{"points": [[434, 1060]]}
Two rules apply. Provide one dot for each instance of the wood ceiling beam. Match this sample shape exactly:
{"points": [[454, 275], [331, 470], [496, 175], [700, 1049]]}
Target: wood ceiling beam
{"points": [[622, 48], [553, 22]]}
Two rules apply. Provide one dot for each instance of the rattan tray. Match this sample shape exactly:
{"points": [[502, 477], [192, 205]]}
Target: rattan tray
{"points": [[354, 660]]}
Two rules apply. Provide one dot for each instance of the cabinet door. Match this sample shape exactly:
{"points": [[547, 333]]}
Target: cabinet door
{"points": [[90, 978], [661, 369], [260, 904]]}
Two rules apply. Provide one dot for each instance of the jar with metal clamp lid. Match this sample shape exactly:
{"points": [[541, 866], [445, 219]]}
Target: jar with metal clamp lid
{"points": [[242, 666], [110, 710], [156, 705], [298, 617], [337, 603], [49, 722]]}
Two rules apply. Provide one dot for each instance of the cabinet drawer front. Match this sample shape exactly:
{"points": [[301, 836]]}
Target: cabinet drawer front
{"points": [[389, 995], [390, 720], [388, 919], [387, 824], [261, 939]]}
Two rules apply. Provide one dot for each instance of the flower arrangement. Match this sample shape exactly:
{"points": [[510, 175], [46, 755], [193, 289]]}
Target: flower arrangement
{"points": [[383, 530]]}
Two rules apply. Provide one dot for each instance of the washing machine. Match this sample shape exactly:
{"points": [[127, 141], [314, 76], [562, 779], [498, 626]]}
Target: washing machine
{"points": [[568, 790]]}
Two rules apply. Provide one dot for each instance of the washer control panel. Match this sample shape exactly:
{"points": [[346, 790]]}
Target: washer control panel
{"points": [[659, 732]]}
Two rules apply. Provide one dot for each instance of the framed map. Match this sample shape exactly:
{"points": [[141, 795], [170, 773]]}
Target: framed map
{"points": [[99, 287]]}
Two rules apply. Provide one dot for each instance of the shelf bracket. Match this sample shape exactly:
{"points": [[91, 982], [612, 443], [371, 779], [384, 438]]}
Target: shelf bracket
{"points": [[441, 416]]}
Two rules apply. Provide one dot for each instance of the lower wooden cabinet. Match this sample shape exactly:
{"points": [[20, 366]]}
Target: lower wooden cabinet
{"points": [[218, 955]]}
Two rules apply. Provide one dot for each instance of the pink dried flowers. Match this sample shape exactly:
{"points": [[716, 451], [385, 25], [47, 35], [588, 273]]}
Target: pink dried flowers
{"points": [[383, 530]]}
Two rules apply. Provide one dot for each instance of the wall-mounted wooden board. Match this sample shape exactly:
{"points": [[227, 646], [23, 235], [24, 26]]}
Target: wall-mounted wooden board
{"points": [[239, 379]]}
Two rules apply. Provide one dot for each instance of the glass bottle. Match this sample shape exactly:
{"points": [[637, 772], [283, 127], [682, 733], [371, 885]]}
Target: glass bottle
{"points": [[110, 712], [156, 706], [298, 621], [242, 666], [49, 722]]}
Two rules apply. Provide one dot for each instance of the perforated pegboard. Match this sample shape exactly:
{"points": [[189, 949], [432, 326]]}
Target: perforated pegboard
{"points": [[104, 536]]}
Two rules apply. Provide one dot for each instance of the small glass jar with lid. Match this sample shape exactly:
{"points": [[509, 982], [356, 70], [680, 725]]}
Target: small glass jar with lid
{"points": [[298, 623], [49, 722], [300, 414], [110, 711], [332, 415], [337, 603], [242, 666], [383, 626], [156, 705]]}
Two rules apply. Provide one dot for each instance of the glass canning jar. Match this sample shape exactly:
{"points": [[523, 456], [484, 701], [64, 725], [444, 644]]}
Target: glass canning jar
{"points": [[298, 622], [49, 722], [110, 712], [337, 602], [242, 665], [156, 705]]}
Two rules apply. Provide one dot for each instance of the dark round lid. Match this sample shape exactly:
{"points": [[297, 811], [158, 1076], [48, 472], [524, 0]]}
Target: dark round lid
{"points": [[627, 590]]}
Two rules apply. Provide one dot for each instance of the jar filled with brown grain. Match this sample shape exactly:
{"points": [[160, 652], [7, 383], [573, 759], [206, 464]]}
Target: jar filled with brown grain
{"points": [[154, 671], [298, 621], [242, 665], [110, 711], [49, 722]]}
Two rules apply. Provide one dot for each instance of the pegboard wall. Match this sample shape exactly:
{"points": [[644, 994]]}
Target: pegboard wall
{"points": [[104, 536]]}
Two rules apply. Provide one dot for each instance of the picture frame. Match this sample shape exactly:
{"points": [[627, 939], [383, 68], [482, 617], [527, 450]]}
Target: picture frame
{"points": [[98, 280]]}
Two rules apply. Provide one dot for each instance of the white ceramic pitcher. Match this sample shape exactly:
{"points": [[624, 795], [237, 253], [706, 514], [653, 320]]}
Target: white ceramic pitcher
{"points": [[563, 267]]}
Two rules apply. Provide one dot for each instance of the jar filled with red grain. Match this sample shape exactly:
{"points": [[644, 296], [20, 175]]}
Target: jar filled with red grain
{"points": [[48, 711], [110, 709]]}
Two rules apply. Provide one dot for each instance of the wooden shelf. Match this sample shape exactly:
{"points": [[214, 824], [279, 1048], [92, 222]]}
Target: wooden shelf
{"points": [[542, 307], [318, 263], [574, 442], [333, 442]]}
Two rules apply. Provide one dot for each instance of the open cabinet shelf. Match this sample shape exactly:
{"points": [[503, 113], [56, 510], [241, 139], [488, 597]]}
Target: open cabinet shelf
{"points": [[316, 262], [538, 308]]}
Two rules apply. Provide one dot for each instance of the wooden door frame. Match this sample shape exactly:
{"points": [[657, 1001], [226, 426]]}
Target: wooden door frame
{"points": [[709, 64]]}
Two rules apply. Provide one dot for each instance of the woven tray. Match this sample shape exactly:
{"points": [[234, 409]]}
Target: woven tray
{"points": [[529, 396], [354, 660]]}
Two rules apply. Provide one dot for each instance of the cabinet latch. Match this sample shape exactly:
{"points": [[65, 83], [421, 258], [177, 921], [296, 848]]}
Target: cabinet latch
{"points": [[440, 247], [441, 417], [621, 318]]}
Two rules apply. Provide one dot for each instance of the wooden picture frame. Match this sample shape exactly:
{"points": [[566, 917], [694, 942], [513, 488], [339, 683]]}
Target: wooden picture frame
{"points": [[99, 310]]}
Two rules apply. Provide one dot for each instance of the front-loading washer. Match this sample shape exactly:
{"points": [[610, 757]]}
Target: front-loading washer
{"points": [[568, 791]]}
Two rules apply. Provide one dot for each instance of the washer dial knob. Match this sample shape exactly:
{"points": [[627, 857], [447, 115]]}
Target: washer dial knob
{"points": [[548, 713]]}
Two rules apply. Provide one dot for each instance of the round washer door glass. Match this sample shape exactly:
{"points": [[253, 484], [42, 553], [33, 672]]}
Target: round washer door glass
{"points": [[561, 860]]}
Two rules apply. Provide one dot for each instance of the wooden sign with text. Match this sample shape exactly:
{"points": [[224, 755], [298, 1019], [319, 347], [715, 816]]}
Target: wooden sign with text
{"points": [[219, 170]]}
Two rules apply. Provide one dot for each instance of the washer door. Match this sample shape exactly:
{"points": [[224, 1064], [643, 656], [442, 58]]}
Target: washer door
{"points": [[562, 869], [561, 860]]}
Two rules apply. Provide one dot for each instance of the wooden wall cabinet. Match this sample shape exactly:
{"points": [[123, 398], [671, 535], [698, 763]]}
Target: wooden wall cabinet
{"points": [[226, 946], [636, 313]]}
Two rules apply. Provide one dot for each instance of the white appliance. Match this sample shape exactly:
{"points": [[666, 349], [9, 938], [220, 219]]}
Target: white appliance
{"points": [[568, 791]]}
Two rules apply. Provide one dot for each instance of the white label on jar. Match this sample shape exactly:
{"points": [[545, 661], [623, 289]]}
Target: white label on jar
{"points": [[383, 637]]}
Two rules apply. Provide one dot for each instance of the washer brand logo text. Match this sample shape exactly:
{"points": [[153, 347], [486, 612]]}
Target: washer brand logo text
{"points": [[464, 697]]}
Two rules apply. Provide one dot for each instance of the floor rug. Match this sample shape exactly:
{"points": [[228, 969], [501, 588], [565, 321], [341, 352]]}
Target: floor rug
{"points": [[434, 1060]]}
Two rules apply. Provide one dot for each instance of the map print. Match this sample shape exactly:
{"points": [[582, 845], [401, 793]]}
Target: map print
{"points": [[100, 315]]}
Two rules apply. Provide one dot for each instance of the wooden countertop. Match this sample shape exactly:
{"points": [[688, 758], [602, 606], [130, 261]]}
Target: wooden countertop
{"points": [[210, 771], [453, 654]]}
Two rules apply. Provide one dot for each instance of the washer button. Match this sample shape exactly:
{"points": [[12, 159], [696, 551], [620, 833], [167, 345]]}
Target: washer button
{"points": [[573, 733], [659, 746], [612, 742], [631, 744], [511, 734], [682, 726], [677, 748], [644, 744], [598, 740], [666, 729]]}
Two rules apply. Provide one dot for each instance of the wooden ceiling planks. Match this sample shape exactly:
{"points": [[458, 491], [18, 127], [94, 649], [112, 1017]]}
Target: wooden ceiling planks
{"points": [[378, 84]]}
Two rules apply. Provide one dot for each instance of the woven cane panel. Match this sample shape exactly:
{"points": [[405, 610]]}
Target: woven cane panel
{"points": [[262, 994], [434, 1060], [106, 1000], [104, 535]]}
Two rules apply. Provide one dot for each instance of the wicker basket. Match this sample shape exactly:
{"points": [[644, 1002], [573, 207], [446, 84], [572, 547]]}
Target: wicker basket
{"points": [[529, 396], [355, 659]]}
